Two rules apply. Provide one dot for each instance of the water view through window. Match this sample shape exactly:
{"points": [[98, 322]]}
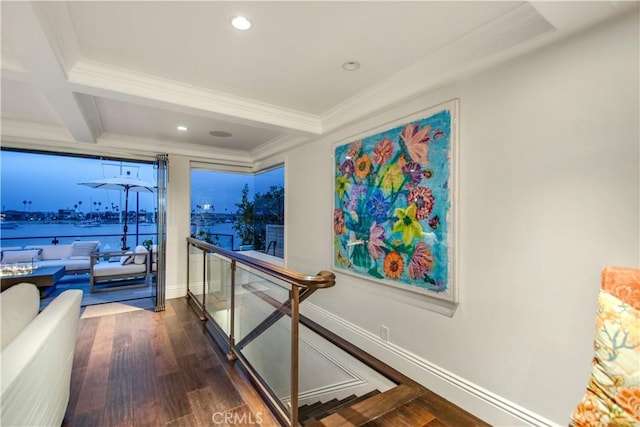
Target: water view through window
{"points": [[56, 199], [49, 198], [239, 211]]}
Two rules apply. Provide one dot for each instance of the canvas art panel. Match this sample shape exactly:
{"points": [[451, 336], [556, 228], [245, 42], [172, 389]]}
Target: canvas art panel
{"points": [[394, 199]]}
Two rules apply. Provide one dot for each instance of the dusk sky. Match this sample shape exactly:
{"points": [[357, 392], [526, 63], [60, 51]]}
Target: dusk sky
{"points": [[50, 182], [224, 190]]}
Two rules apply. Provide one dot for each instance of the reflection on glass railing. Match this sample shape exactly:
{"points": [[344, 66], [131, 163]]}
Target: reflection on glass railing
{"points": [[270, 355], [218, 298], [263, 328], [256, 299], [196, 272]]}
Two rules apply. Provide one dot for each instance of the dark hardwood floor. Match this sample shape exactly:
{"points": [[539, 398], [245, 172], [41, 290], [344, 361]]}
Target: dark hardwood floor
{"points": [[142, 368]]}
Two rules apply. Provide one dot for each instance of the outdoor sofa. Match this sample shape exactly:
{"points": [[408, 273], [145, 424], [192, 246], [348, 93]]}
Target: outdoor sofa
{"points": [[74, 257], [116, 270]]}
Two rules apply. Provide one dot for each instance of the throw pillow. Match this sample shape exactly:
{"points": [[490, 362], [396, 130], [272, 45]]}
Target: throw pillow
{"points": [[140, 259], [79, 248], [24, 255], [127, 258], [154, 253], [613, 393]]}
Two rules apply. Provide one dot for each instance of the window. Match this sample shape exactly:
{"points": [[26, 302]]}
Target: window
{"points": [[239, 211], [43, 203]]}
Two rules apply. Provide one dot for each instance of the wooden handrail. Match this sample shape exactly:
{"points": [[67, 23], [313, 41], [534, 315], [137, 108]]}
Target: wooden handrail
{"points": [[324, 279]]}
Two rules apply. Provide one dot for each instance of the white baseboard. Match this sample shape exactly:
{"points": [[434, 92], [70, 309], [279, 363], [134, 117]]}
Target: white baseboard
{"points": [[484, 404], [175, 291]]}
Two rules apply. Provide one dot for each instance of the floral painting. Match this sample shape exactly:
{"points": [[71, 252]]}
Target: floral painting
{"points": [[392, 203]]}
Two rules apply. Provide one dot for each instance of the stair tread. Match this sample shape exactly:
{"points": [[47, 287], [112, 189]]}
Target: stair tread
{"points": [[308, 416], [410, 415], [305, 409], [371, 408], [325, 408]]}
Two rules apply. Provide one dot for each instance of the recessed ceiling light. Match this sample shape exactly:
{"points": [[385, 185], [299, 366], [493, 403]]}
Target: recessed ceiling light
{"points": [[182, 128], [351, 65], [220, 133], [241, 23]]}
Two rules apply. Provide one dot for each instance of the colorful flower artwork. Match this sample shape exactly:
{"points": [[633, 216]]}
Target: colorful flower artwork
{"points": [[392, 205]]}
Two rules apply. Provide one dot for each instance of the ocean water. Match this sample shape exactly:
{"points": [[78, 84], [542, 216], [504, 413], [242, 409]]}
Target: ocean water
{"points": [[37, 233]]}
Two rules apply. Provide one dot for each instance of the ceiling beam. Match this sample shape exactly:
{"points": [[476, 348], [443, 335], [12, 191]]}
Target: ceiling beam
{"points": [[45, 52], [103, 80]]}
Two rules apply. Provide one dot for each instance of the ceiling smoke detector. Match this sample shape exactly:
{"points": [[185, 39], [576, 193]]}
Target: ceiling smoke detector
{"points": [[220, 133]]}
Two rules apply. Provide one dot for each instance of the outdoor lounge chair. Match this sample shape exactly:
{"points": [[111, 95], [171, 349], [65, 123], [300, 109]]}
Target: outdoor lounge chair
{"points": [[118, 270]]}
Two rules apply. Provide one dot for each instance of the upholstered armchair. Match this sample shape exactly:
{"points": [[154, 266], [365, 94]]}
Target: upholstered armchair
{"points": [[613, 392]]}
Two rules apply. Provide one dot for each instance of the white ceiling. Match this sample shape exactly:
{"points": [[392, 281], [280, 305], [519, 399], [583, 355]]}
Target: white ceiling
{"points": [[136, 70]]}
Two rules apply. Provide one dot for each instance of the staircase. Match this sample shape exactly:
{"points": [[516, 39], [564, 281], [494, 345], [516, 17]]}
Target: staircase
{"points": [[280, 349], [404, 405], [310, 414]]}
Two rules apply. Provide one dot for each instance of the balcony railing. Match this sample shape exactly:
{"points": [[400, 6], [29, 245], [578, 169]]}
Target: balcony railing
{"points": [[114, 240]]}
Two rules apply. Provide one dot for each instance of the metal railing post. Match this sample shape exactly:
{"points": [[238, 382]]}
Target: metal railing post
{"points": [[295, 331], [204, 285], [232, 327], [188, 268]]}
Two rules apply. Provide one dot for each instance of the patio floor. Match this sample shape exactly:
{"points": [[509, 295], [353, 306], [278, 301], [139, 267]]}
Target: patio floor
{"points": [[142, 297]]}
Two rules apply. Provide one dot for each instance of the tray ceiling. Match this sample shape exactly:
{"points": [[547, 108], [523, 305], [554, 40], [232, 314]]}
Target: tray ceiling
{"points": [[138, 69]]}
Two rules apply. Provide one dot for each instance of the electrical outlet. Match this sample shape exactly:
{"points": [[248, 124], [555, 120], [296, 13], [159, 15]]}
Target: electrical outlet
{"points": [[384, 333]]}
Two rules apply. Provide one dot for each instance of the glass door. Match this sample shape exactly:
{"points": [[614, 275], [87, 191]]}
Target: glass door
{"points": [[158, 258]]}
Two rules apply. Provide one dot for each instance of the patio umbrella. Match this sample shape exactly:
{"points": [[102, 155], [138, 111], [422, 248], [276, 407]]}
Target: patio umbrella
{"points": [[126, 183]]}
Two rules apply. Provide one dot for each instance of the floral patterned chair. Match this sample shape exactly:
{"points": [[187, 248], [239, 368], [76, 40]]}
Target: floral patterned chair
{"points": [[613, 393]]}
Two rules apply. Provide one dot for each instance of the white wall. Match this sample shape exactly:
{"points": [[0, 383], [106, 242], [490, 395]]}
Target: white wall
{"points": [[178, 225], [549, 194]]}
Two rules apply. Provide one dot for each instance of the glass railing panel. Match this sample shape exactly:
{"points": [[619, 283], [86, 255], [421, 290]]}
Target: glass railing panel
{"points": [[269, 355], [256, 298], [263, 334], [196, 277], [256, 313], [218, 298]]}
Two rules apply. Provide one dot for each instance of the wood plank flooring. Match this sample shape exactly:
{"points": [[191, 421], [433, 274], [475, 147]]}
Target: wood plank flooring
{"points": [[142, 368], [150, 369]]}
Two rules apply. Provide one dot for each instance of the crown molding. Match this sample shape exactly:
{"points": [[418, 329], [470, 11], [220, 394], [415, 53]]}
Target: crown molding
{"points": [[109, 81], [154, 146], [473, 52], [277, 146], [21, 131], [12, 69], [36, 136]]}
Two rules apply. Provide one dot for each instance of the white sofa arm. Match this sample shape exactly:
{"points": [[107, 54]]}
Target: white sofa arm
{"points": [[19, 305], [36, 366]]}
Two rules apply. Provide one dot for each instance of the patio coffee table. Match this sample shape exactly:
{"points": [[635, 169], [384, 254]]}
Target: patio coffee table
{"points": [[45, 278]]}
